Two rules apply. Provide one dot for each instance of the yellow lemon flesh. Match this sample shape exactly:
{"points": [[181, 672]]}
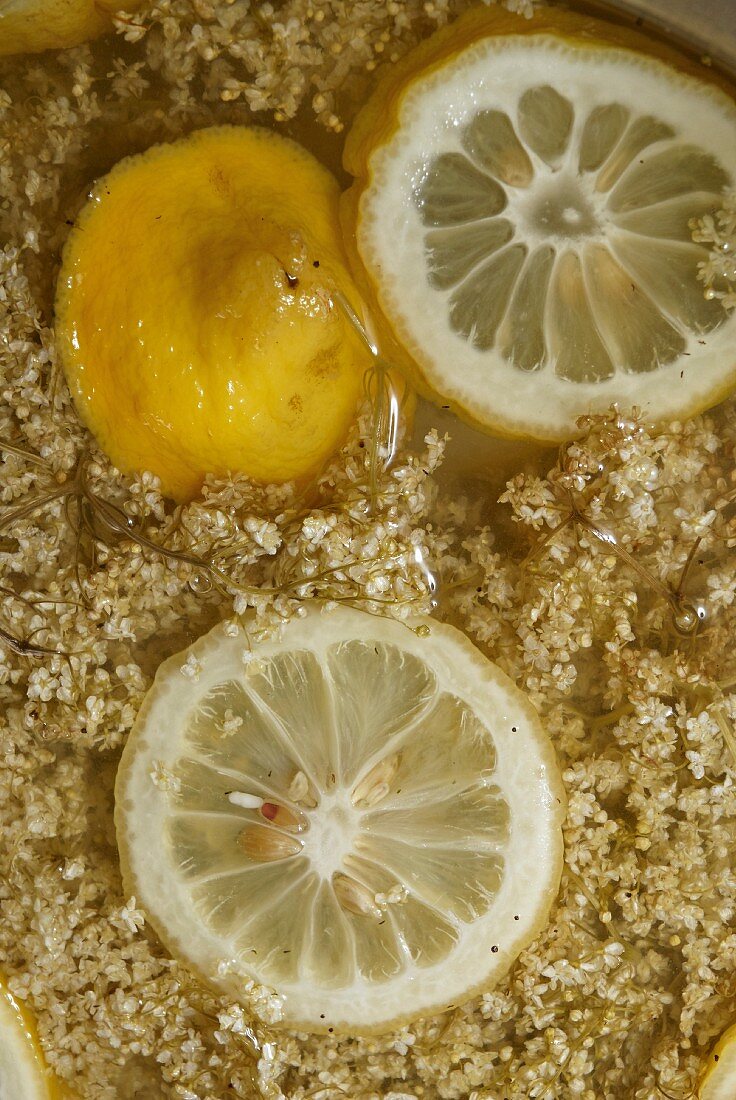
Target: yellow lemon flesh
{"points": [[521, 218], [29, 26], [196, 312]]}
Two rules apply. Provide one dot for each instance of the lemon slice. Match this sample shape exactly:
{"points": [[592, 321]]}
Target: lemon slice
{"points": [[718, 1081], [196, 315], [364, 819], [23, 1074], [522, 213]]}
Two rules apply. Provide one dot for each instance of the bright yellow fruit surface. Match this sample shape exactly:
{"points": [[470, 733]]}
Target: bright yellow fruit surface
{"points": [[196, 315], [29, 26]]}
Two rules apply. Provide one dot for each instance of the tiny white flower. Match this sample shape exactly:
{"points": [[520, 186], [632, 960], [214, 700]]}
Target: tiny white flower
{"points": [[191, 668], [162, 778], [231, 723]]}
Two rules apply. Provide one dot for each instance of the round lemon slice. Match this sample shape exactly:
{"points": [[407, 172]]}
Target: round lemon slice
{"points": [[522, 213], [196, 312], [718, 1081], [23, 1073], [364, 818]]}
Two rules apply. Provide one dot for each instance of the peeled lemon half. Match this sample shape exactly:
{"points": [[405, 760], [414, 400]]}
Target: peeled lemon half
{"points": [[23, 1073], [29, 26], [364, 818], [521, 214], [196, 314]]}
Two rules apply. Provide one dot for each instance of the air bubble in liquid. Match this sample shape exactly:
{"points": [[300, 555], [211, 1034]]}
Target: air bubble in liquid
{"points": [[201, 584], [689, 618]]}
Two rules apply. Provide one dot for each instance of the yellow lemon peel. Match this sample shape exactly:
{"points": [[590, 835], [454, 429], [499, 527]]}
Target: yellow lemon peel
{"points": [[197, 314]]}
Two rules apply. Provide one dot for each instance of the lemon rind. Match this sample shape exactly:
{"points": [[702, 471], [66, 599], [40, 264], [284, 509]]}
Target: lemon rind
{"points": [[17, 1036]]}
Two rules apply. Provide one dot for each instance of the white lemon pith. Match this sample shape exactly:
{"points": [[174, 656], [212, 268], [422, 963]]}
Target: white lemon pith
{"points": [[364, 819], [718, 1081], [526, 228], [23, 1075]]}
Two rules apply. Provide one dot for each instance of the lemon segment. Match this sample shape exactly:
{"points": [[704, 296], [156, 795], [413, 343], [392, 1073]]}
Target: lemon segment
{"points": [[521, 217], [718, 1080], [365, 819], [196, 322], [23, 1072], [30, 26]]}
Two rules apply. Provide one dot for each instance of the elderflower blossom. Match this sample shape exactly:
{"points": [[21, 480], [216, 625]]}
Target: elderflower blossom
{"points": [[129, 917], [718, 231], [164, 779], [191, 668], [231, 723]]}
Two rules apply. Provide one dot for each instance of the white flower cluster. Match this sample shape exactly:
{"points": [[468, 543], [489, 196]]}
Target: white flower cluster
{"points": [[718, 232]]}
